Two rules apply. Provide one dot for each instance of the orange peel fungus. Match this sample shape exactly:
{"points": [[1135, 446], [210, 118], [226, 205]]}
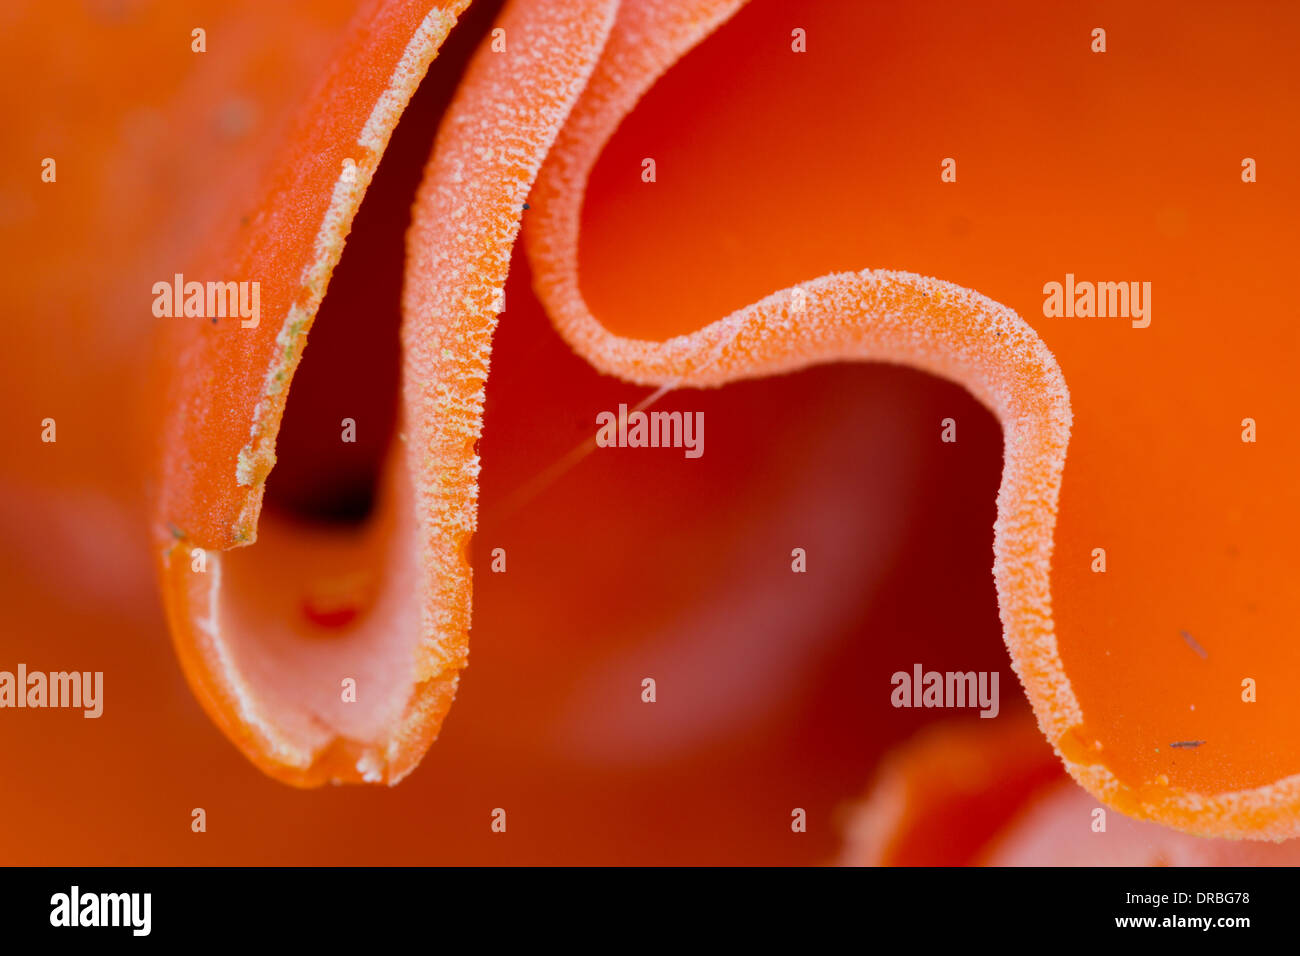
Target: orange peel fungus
{"points": [[545, 110]]}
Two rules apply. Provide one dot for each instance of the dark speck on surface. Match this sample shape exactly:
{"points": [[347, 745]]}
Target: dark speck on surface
{"points": [[1192, 643]]}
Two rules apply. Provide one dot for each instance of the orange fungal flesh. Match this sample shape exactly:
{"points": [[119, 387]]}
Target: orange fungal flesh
{"points": [[216, 455], [255, 614], [81, 589], [941, 798], [978, 794], [1112, 683], [466, 216]]}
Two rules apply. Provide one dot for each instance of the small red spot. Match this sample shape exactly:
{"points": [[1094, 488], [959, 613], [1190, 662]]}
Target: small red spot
{"points": [[337, 602], [328, 616]]}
